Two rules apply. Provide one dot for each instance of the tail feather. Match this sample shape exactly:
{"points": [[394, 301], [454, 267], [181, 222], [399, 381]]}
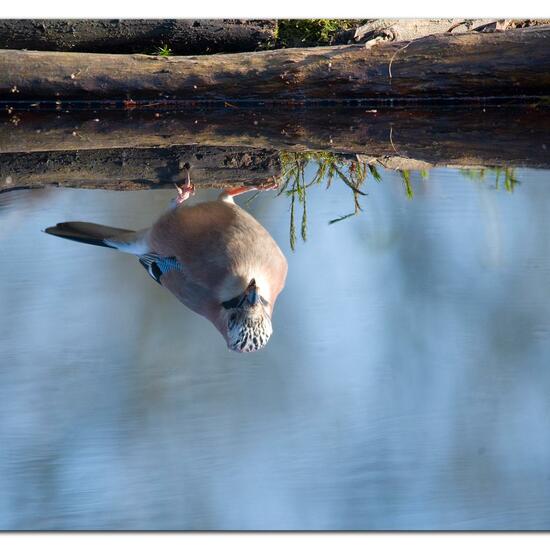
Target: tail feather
{"points": [[93, 233]]}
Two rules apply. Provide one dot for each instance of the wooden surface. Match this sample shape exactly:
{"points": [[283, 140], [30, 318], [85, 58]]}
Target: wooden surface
{"points": [[182, 36], [410, 29], [511, 63], [509, 135], [133, 169]]}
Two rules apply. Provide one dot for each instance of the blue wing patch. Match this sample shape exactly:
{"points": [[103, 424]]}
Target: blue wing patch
{"points": [[157, 266]]}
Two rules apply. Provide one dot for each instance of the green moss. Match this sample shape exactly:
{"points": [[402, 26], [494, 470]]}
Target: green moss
{"points": [[292, 33], [326, 167]]}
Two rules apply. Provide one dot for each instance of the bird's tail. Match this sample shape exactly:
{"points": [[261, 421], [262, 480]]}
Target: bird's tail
{"points": [[125, 240]]}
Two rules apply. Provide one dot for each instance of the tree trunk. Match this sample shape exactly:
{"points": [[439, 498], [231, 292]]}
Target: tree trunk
{"points": [[125, 169], [513, 63], [182, 36], [467, 135]]}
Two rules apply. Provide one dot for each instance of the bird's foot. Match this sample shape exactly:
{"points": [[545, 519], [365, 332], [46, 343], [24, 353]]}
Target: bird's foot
{"points": [[184, 192], [268, 186], [229, 194]]}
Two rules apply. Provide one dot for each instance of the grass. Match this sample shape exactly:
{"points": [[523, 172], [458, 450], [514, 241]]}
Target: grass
{"points": [[505, 175], [292, 33], [406, 177], [163, 51], [329, 168]]}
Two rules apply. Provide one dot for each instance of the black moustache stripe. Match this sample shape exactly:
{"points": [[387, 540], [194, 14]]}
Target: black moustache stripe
{"points": [[238, 300], [233, 303]]}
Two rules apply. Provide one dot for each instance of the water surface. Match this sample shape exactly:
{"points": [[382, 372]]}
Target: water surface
{"points": [[406, 385]]}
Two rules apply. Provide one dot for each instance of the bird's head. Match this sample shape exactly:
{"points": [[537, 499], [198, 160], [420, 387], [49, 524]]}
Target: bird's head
{"points": [[248, 323]]}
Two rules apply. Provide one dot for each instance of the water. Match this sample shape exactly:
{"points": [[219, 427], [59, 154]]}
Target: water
{"points": [[405, 387]]}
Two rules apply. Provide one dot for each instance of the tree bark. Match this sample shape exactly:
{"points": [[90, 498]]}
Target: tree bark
{"points": [[513, 63], [395, 30], [509, 135], [182, 36], [134, 169]]}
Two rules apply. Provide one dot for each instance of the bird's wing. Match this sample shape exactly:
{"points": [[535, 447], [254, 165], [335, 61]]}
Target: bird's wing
{"points": [[157, 265], [168, 272]]}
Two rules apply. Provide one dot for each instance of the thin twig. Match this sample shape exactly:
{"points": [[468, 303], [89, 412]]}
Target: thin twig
{"points": [[455, 26], [391, 141], [393, 57]]}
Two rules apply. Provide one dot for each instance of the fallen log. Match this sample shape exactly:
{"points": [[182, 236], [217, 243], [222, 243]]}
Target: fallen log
{"points": [[509, 135], [134, 169], [395, 30], [513, 63], [375, 31], [181, 36]]}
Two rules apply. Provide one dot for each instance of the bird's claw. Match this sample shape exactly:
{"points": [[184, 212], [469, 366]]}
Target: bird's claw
{"points": [[184, 192], [187, 189], [268, 186]]}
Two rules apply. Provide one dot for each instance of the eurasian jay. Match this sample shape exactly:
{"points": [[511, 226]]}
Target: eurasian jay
{"points": [[213, 256]]}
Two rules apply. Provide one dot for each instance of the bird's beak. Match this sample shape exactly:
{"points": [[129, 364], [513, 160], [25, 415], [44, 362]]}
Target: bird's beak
{"points": [[251, 293]]}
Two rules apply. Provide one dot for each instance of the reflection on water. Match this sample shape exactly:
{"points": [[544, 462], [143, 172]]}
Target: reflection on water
{"points": [[323, 168], [405, 386]]}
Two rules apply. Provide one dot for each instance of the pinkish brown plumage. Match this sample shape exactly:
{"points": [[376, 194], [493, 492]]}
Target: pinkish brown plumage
{"points": [[213, 256]]}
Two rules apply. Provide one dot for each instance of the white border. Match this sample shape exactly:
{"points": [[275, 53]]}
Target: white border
{"points": [[254, 541], [275, 9]]}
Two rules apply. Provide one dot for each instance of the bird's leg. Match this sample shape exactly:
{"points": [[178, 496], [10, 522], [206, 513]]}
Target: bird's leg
{"points": [[228, 194], [187, 189]]}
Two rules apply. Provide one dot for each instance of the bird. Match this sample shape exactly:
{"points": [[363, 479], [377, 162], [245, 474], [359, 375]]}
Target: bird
{"points": [[213, 256]]}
